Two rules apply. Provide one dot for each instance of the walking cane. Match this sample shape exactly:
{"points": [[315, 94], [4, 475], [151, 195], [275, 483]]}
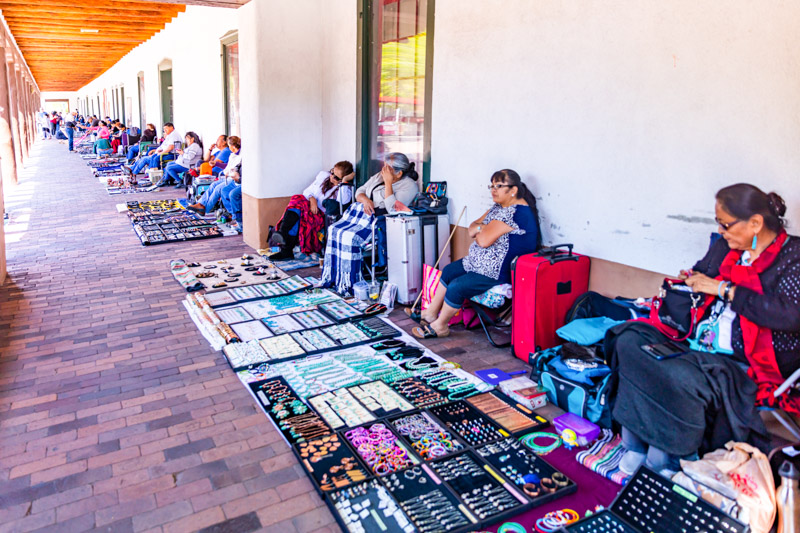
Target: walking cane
{"points": [[455, 227]]}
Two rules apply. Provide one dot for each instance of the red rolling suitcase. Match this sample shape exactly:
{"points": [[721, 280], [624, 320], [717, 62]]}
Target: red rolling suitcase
{"points": [[545, 285]]}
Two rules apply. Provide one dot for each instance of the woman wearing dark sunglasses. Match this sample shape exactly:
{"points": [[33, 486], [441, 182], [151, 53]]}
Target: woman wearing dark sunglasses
{"points": [[735, 359], [303, 220], [507, 230]]}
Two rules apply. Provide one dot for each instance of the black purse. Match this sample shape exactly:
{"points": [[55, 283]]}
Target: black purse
{"points": [[677, 311], [434, 200]]}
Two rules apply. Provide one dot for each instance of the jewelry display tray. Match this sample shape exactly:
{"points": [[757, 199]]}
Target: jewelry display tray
{"points": [[410, 488], [538, 421], [516, 458], [306, 354], [286, 433], [316, 470], [442, 414], [407, 441]]}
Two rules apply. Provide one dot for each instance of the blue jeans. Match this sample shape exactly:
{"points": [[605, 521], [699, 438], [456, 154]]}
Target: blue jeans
{"points": [[70, 138], [462, 285], [174, 170], [133, 151], [232, 200], [144, 163], [213, 194]]}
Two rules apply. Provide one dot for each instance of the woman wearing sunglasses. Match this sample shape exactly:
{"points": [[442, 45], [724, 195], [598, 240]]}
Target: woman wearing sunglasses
{"points": [[507, 230], [304, 217], [735, 359]]}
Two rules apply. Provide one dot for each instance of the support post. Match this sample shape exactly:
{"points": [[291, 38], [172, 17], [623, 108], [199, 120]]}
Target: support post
{"points": [[8, 163], [23, 127], [12, 105]]}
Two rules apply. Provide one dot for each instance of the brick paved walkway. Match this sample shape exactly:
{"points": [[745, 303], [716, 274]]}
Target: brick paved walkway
{"points": [[115, 414]]}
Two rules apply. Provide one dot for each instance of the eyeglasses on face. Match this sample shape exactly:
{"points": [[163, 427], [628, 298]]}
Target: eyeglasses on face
{"points": [[726, 225], [337, 178], [498, 186]]}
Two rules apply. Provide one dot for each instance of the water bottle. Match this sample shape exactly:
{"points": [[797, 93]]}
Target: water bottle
{"points": [[788, 497]]}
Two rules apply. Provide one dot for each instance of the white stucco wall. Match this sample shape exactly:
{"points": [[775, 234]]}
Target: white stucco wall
{"points": [[192, 42], [624, 116], [298, 91]]}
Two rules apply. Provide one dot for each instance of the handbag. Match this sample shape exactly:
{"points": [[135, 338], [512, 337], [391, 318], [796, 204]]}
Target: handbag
{"points": [[677, 309], [433, 200]]}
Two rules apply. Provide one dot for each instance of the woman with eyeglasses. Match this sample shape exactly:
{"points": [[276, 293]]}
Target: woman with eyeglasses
{"points": [[510, 228], [747, 344], [303, 220]]}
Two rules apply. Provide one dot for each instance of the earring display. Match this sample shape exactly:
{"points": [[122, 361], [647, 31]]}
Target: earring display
{"points": [[340, 409], [426, 436], [340, 311], [330, 463], [346, 334], [530, 473], [368, 507], [233, 315], [293, 284], [428, 502], [380, 399], [268, 290], [290, 415], [312, 319], [446, 381], [401, 354], [282, 324], [241, 294], [281, 347], [242, 354], [478, 487], [314, 341], [380, 449], [473, 427], [247, 331], [290, 303], [513, 419], [418, 393]]}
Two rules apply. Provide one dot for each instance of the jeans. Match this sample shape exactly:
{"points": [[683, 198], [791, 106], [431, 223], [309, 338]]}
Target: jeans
{"points": [[70, 138], [173, 171], [144, 163], [462, 285], [212, 196], [133, 151], [657, 459], [232, 200]]}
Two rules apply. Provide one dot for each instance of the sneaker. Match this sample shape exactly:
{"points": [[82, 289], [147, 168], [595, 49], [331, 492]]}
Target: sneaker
{"points": [[631, 461], [179, 186]]}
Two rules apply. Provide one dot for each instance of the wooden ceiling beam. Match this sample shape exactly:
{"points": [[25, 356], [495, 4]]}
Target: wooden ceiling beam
{"points": [[233, 4], [80, 22], [111, 5], [76, 34], [97, 14], [84, 38]]}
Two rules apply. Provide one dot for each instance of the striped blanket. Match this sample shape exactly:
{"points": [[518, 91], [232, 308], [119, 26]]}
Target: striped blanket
{"points": [[604, 457]]}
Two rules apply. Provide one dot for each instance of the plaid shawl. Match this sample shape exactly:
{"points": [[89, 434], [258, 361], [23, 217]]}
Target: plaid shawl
{"points": [[343, 253]]}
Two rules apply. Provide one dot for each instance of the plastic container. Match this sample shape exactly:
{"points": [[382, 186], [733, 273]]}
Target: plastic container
{"points": [[361, 290], [374, 290], [585, 432]]}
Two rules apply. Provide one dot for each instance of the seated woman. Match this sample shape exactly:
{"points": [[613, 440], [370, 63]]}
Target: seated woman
{"points": [[187, 157], [506, 231], [148, 135], [304, 217], [698, 401], [116, 136], [213, 195], [103, 142], [396, 182], [218, 155]]}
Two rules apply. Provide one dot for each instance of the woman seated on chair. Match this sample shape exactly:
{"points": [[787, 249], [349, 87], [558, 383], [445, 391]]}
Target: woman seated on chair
{"points": [[187, 157], [698, 400], [148, 135], [396, 182], [510, 228], [304, 218], [226, 182]]}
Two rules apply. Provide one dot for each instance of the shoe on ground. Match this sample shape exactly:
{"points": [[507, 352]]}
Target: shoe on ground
{"points": [[179, 186], [200, 209], [631, 461]]}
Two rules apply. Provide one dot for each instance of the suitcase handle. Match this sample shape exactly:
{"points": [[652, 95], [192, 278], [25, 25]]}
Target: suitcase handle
{"points": [[557, 255]]}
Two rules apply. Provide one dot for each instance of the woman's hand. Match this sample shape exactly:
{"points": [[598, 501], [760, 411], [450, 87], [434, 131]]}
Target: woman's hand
{"points": [[314, 206], [369, 207], [236, 177], [704, 284], [349, 177], [387, 174]]}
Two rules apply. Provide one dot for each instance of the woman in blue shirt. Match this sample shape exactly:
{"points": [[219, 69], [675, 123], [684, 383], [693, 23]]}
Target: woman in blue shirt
{"points": [[506, 231]]}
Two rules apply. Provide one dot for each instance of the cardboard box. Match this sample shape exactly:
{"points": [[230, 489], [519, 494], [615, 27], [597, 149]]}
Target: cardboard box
{"points": [[525, 391]]}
